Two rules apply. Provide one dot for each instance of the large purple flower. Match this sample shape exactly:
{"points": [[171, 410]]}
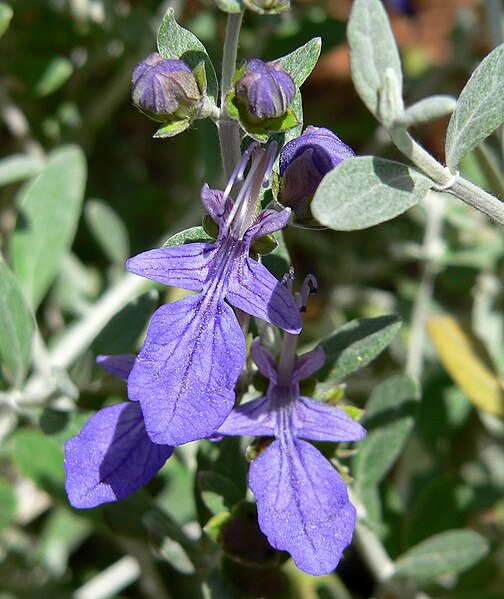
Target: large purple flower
{"points": [[185, 373], [112, 456], [302, 501]]}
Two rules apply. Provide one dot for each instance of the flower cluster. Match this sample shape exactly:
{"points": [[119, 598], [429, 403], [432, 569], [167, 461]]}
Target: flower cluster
{"points": [[181, 386]]}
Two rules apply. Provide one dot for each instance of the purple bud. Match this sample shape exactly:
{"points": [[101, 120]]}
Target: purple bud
{"points": [[163, 87], [264, 89], [304, 162]]}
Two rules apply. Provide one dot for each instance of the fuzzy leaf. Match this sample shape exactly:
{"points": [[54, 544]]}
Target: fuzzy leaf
{"points": [[426, 110], [300, 63], [49, 209], [480, 108], [175, 42], [16, 326], [355, 344], [372, 50], [365, 191], [450, 552], [192, 235]]}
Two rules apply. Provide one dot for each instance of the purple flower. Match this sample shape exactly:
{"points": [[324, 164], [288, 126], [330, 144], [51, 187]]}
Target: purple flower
{"points": [[265, 89], [302, 501], [112, 456], [304, 162], [185, 374], [164, 88]]}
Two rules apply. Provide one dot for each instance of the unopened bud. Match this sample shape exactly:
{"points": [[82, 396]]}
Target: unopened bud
{"points": [[164, 88], [264, 89], [267, 7], [304, 162]]}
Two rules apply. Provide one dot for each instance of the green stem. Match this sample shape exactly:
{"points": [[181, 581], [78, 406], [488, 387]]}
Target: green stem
{"points": [[229, 129], [434, 208], [453, 184]]}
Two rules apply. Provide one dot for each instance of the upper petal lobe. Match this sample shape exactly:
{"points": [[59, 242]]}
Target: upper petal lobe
{"points": [[184, 266]]}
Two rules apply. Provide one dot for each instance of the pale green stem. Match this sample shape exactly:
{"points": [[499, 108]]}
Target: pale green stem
{"points": [[434, 208], [229, 129], [453, 184]]}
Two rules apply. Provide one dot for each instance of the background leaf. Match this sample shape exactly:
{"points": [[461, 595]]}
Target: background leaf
{"points": [[365, 191], [355, 344], [108, 230], [49, 209], [6, 13], [480, 108], [175, 42], [8, 502], [18, 167], [388, 419], [16, 326], [372, 50], [468, 363], [450, 552]]}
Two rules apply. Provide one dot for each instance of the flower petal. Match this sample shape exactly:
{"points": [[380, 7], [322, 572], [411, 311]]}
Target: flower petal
{"points": [[184, 266], [254, 418], [213, 200], [268, 221], [111, 457], [263, 359], [302, 504], [317, 421], [185, 374], [308, 363], [120, 365], [255, 290]]}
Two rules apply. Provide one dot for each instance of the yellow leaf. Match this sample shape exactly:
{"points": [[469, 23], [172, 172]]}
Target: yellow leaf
{"points": [[468, 363]]}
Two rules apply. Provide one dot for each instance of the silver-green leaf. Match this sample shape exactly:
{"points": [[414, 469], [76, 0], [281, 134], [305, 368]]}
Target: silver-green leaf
{"points": [[426, 110], [192, 235], [355, 344], [449, 552], [365, 191], [49, 210], [372, 50], [176, 42], [301, 62], [480, 108], [16, 327]]}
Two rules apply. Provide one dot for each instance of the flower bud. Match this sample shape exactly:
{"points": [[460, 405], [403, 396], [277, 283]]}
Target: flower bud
{"points": [[304, 162], [165, 88], [264, 89], [267, 7]]}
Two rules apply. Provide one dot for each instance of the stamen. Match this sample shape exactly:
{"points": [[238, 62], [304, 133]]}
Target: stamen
{"points": [[237, 174], [271, 154], [309, 287]]}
